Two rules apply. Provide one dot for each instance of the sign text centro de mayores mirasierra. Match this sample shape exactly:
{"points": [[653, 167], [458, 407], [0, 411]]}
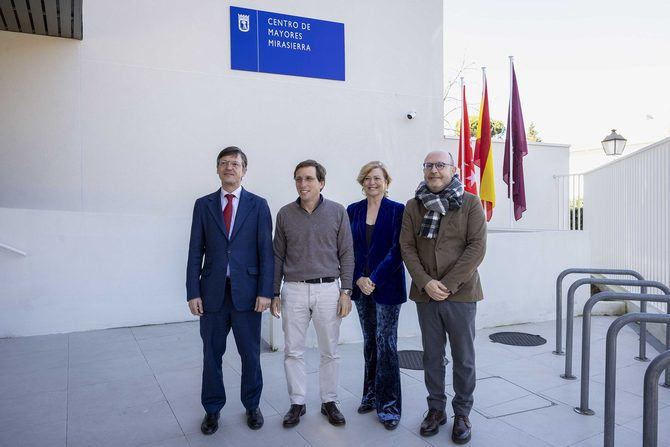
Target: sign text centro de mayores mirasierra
{"points": [[278, 43]]}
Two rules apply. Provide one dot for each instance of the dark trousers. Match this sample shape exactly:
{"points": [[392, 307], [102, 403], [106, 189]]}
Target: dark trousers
{"points": [[438, 319], [214, 329], [381, 383]]}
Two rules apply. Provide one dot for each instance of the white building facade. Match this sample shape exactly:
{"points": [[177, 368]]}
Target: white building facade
{"points": [[105, 143]]}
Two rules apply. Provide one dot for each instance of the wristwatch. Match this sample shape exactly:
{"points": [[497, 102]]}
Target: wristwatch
{"points": [[346, 291]]}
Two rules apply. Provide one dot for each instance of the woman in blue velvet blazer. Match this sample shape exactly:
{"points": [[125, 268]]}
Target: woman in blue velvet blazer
{"points": [[379, 290]]}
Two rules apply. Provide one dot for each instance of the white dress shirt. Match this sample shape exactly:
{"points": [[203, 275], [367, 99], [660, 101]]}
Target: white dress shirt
{"points": [[236, 202]]}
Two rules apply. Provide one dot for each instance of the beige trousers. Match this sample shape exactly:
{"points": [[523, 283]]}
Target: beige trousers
{"points": [[301, 302]]}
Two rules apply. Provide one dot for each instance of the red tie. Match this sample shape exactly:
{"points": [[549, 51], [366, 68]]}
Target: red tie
{"points": [[228, 212]]}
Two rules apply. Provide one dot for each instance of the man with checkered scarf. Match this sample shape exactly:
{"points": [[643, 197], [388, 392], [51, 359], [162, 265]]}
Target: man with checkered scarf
{"points": [[443, 241]]}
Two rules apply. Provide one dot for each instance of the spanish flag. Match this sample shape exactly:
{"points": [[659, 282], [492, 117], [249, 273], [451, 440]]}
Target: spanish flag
{"points": [[484, 155]]}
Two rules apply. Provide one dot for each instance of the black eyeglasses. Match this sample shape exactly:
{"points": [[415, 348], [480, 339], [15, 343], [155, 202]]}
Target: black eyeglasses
{"points": [[439, 165]]}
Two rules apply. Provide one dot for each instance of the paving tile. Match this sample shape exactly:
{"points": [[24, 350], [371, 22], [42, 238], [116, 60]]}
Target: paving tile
{"points": [[631, 379], [527, 373], [107, 370], [22, 362], [623, 437], [486, 433], [48, 434], [530, 402], [110, 380], [490, 391], [628, 405], [272, 434], [172, 360], [91, 339], [663, 425], [111, 396], [38, 343], [104, 351], [19, 413], [126, 427], [38, 381], [399, 438], [162, 330], [189, 411], [359, 429], [181, 441], [550, 424]]}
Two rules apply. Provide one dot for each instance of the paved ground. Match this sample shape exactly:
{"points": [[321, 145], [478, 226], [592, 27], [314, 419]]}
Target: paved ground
{"points": [[140, 387]]}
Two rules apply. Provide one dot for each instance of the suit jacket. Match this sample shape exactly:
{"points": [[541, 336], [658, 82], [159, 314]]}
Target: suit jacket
{"points": [[452, 257], [383, 256], [248, 252]]}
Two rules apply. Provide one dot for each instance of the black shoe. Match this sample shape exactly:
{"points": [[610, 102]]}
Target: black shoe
{"points": [[462, 430], [255, 419], [210, 424], [391, 424], [334, 416], [365, 408], [431, 423], [292, 417]]}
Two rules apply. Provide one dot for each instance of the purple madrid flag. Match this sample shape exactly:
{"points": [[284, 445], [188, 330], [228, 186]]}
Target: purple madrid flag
{"points": [[516, 141]]}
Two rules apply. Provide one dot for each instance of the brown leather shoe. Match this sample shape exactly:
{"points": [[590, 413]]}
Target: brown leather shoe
{"points": [[292, 417], [462, 430], [431, 423], [334, 416]]}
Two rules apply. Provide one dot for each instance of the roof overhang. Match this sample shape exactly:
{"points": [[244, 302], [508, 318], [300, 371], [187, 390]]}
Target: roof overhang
{"points": [[57, 18]]}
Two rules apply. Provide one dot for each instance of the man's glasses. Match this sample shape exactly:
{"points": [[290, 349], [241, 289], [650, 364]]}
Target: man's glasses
{"points": [[439, 165], [233, 164]]}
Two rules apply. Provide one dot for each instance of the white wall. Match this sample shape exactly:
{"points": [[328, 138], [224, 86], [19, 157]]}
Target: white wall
{"points": [[544, 160], [627, 210], [106, 143]]}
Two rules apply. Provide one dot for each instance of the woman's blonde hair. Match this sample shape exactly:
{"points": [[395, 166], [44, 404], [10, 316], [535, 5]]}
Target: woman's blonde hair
{"points": [[367, 167]]}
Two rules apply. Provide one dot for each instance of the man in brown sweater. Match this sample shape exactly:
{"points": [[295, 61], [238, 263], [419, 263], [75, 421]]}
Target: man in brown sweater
{"points": [[443, 241]]}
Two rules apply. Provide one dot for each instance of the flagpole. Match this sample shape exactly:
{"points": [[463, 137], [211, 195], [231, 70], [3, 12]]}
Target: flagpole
{"points": [[510, 183], [481, 132], [461, 146]]}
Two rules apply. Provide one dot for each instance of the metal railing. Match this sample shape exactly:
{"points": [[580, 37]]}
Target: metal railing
{"points": [[570, 192], [559, 295], [650, 402], [569, 323], [586, 338], [631, 197], [610, 365]]}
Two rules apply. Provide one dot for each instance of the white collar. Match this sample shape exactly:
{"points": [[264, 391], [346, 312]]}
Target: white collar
{"points": [[236, 193]]}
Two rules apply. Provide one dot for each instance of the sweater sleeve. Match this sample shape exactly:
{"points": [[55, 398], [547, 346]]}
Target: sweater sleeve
{"points": [[345, 250], [279, 248]]}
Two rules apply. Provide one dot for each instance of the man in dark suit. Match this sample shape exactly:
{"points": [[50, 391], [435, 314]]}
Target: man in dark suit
{"points": [[443, 241], [232, 230]]}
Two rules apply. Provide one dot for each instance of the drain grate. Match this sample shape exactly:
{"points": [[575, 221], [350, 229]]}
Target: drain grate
{"points": [[412, 360], [517, 339]]}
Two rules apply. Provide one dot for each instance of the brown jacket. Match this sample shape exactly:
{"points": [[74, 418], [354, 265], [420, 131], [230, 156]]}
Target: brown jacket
{"points": [[452, 257]]}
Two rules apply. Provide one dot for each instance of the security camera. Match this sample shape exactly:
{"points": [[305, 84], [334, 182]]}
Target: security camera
{"points": [[411, 115]]}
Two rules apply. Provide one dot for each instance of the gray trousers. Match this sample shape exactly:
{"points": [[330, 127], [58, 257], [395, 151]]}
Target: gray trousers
{"points": [[438, 319]]}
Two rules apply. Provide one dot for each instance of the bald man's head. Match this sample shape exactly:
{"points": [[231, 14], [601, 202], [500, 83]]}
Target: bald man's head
{"points": [[438, 170]]}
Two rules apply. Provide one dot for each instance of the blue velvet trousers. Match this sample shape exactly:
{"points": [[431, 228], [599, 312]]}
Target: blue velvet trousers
{"points": [[381, 383]]}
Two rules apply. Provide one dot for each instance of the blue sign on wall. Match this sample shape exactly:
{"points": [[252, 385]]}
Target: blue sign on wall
{"points": [[278, 43]]}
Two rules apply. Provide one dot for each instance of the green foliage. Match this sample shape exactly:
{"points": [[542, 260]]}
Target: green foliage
{"points": [[533, 134], [497, 127]]}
